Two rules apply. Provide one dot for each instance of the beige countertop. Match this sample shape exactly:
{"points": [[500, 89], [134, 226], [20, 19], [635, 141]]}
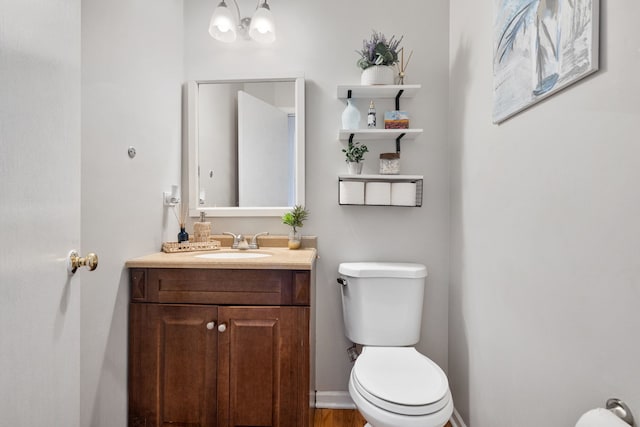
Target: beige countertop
{"points": [[279, 259]]}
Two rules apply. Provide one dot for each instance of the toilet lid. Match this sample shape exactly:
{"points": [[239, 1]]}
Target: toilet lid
{"points": [[401, 380]]}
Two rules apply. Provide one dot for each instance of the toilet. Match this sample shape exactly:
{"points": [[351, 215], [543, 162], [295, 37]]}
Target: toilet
{"points": [[391, 383]]}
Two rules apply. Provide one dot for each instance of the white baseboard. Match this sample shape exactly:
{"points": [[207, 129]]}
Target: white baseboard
{"points": [[342, 400], [456, 419], [334, 400]]}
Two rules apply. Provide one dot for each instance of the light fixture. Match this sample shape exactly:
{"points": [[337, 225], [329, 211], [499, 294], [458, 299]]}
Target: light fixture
{"points": [[223, 26], [260, 27]]}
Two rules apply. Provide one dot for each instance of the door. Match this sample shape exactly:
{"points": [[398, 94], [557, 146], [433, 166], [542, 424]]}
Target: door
{"points": [[263, 366], [172, 365], [39, 212], [264, 173]]}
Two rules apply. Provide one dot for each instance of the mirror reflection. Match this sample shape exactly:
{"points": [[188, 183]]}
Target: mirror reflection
{"points": [[246, 146]]}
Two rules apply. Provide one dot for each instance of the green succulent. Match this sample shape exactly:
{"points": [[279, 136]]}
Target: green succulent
{"points": [[355, 152]]}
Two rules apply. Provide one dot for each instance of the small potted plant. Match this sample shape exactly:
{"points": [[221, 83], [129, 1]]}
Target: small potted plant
{"points": [[295, 219], [377, 57], [354, 155]]}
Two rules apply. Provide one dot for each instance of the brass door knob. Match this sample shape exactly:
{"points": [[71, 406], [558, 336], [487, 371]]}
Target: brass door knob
{"points": [[74, 261]]}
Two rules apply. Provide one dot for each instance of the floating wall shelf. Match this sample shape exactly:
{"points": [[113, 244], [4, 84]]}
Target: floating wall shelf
{"points": [[378, 134], [379, 190], [377, 91]]}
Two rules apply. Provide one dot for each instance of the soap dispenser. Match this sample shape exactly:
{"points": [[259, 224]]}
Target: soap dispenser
{"points": [[201, 229]]}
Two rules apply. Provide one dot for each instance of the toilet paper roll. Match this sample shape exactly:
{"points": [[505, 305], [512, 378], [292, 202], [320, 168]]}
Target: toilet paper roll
{"points": [[403, 194], [351, 193], [600, 417], [378, 193]]}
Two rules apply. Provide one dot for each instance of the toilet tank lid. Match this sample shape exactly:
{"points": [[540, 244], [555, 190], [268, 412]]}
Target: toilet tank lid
{"points": [[383, 269]]}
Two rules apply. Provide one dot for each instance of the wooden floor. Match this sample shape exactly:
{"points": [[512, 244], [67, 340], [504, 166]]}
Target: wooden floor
{"points": [[340, 418]]}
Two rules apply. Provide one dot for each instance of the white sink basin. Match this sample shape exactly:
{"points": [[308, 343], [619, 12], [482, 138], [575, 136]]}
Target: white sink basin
{"points": [[233, 255]]}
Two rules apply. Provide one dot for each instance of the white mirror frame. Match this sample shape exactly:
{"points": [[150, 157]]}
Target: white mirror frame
{"points": [[190, 166]]}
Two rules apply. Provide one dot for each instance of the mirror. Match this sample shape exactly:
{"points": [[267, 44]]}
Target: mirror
{"points": [[245, 146]]}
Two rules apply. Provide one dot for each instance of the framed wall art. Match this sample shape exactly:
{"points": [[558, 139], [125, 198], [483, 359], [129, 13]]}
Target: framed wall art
{"points": [[541, 47]]}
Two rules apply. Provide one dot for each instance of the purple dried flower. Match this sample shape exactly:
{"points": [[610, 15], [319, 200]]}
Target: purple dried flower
{"points": [[378, 51]]}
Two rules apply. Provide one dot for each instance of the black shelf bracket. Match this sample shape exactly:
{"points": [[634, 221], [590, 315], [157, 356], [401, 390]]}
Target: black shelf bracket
{"points": [[398, 142], [349, 94], [351, 135], [400, 92]]}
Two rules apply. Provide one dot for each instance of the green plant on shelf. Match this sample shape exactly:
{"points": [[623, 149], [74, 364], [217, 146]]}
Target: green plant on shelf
{"points": [[355, 152]]}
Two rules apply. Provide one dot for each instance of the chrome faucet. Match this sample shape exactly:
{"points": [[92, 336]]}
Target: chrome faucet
{"points": [[254, 240], [239, 242]]}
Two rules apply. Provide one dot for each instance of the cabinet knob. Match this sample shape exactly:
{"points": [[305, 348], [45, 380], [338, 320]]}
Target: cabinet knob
{"points": [[211, 325], [222, 327]]}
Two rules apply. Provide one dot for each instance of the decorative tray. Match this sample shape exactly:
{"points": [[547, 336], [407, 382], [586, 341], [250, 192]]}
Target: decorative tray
{"points": [[171, 247]]}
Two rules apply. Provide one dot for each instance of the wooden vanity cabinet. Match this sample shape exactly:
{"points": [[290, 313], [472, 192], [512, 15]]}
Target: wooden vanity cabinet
{"points": [[223, 348]]}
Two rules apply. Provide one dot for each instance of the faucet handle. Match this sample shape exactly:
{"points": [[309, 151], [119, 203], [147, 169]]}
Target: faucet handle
{"points": [[254, 239], [236, 239]]}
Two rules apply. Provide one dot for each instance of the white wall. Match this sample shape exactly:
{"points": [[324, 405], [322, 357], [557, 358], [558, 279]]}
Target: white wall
{"points": [[544, 278], [319, 39], [132, 71], [131, 96]]}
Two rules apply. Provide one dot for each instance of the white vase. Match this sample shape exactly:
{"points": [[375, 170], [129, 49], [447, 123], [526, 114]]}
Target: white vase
{"points": [[378, 75], [350, 116], [354, 168]]}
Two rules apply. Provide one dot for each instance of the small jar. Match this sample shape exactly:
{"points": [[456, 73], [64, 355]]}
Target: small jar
{"points": [[389, 163]]}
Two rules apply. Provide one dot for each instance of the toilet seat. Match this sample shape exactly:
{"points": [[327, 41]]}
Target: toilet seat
{"points": [[400, 380]]}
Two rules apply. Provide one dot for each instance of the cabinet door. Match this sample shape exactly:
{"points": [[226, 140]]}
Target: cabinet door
{"points": [[263, 366], [172, 365]]}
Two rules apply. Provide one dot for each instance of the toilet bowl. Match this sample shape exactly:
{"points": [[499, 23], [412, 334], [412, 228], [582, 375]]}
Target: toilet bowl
{"points": [[391, 383], [399, 387]]}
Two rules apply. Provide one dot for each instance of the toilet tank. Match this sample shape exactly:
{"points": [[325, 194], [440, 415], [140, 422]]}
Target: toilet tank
{"points": [[382, 302]]}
